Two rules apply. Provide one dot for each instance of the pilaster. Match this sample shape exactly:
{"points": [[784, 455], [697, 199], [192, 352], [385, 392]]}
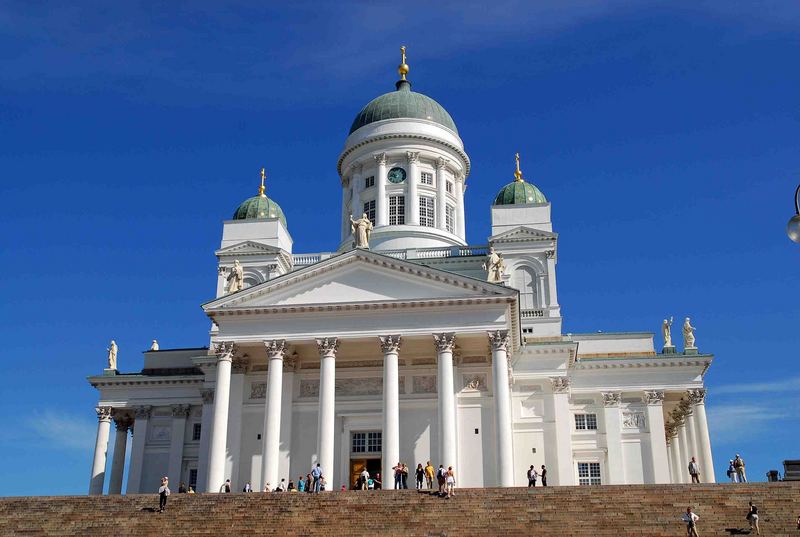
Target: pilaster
{"points": [[657, 440], [177, 436], [613, 434], [412, 203]]}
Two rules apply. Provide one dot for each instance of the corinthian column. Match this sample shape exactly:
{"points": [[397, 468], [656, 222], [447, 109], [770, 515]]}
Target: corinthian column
{"points": [[697, 398], [448, 455], [460, 226], [559, 450], [327, 406], [272, 413], [502, 408], [613, 430], [381, 214], [412, 203], [123, 424], [390, 345], [100, 450], [441, 194], [219, 432], [659, 459]]}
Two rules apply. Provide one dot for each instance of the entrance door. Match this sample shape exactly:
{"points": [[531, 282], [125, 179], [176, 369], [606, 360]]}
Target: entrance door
{"points": [[357, 466], [365, 452]]}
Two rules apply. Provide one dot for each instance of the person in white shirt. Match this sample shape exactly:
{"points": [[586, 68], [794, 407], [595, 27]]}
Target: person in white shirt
{"points": [[226, 487], [163, 492], [694, 471], [364, 479], [450, 481], [691, 522], [282, 486]]}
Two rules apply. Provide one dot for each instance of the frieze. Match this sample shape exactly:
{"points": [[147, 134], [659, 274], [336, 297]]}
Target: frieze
{"points": [[633, 420], [424, 384], [258, 390], [560, 384], [612, 398], [475, 382]]}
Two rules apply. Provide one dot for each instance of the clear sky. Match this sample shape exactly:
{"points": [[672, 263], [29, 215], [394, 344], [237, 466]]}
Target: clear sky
{"points": [[664, 133]]}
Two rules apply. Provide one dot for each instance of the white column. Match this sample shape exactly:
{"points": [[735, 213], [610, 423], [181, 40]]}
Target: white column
{"points": [[502, 407], [123, 424], [177, 436], [100, 450], [683, 468], [140, 429], [206, 425], [272, 413], [543, 302], [691, 436], [381, 214], [659, 459], [441, 194], [460, 226], [327, 408], [235, 408], [287, 402], [560, 461], [552, 296], [675, 454], [613, 433], [697, 399], [390, 345], [356, 207], [448, 456], [216, 449], [412, 198]]}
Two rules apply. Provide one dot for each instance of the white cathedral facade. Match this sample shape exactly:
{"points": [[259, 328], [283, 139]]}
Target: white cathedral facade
{"points": [[402, 351]]}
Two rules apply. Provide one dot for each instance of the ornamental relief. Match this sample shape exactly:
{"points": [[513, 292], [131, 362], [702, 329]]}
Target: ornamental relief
{"points": [[633, 420], [258, 390], [424, 384], [349, 386], [160, 433], [475, 382]]}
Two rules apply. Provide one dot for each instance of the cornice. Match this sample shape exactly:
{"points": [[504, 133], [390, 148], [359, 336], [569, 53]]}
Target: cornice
{"points": [[456, 149], [695, 360], [142, 380]]}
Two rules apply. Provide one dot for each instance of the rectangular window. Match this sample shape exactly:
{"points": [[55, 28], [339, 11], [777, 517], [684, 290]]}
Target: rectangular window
{"points": [[450, 218], [586, 422], [193, 478], [369, 209], [196, 430], [369, 181], [374, 442], [397, 210], [427, 216], [371, 442], [449, 187], [359, 443], [426, 178], [589, 473]]}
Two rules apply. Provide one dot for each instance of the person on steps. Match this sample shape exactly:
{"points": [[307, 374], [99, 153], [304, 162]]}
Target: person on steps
{"points": [[532, 475], [420, 475], [429, 474], [543, 475], [163, 492], [450, 481], [226, 487], [738, 465], [441, 478], [316, 474], [694, 471], [691, 522], [752, 518]]}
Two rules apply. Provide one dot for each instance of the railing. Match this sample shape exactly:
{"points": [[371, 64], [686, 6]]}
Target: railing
{"points": [[302, 260], [531, 314]]}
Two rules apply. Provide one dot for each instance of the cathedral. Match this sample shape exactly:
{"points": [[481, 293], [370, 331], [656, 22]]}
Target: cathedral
{"points": [[402, 343]]}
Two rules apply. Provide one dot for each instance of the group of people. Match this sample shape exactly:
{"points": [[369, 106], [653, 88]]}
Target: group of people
{"points": [[690, 518], [424, 476], [534, 475], [736, 471]]}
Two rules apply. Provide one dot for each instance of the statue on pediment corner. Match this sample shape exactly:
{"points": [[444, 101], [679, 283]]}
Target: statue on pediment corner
{"points": [[236, 278], [494, 267], [688, 335], [666, 330], [361, 230], [112, 355]]}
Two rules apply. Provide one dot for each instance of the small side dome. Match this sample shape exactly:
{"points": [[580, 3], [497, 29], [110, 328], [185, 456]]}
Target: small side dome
{"points": [[259, 207], [519, 191]]}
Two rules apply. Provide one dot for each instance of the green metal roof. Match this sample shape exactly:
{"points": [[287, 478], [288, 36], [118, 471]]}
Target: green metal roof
{"points": [[403, 103], [519, 192], [259, 207]]}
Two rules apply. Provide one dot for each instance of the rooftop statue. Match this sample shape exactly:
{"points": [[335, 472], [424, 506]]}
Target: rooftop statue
{"points": [[361, 229], [666, 330], [154, 346], [494, 267], [688, 335], [236, 278], [112, 355]]}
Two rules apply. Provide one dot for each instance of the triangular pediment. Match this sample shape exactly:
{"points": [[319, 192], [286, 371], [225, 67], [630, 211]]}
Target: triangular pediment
{"points": [[523, 234], [356, 277], [247, 248]]}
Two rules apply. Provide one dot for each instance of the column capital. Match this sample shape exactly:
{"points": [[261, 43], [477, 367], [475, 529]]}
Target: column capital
{"points": [[559, 384], [208, 396], [677, 416], [441, 163], [499, 340], [224, 350], [653, 397], [276, 348], [103, 413], [390, 344], [685, 407], [181, 411], [327, 347], [412, 156], [380, 158], [445, 341], [123, 422], [550, 254], [612, 399], [697, 396], [143, 412]]}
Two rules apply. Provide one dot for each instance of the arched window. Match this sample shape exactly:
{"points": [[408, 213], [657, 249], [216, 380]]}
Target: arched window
{"points": [[526, 283]]}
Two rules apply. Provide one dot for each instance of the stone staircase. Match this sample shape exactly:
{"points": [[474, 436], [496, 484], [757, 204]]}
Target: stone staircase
{"points": [[635, 510]]}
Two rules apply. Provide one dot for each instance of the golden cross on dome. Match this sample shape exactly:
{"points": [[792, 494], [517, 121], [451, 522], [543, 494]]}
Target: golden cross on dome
{"points": [[263, 178], [518, 173], [403, 67]]}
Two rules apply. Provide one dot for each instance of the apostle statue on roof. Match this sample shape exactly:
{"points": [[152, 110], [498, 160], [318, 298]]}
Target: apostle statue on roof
{"points": [[361, 230]]}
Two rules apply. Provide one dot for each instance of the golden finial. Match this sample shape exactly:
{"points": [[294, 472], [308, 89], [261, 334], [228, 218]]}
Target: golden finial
{"points": [[518, 173], [403, 67], [263, 178]]}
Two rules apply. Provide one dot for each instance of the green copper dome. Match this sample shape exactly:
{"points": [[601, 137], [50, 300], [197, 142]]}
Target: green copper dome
{"points": [[519, 192], [403, 103], [259, 207]]}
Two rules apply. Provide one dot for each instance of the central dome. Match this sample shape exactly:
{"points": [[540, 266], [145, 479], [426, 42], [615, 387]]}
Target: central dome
{"points": [[403, 103]]}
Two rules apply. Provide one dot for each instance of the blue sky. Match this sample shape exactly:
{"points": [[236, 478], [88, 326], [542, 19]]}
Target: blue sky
{"points": [[664, 133]]}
